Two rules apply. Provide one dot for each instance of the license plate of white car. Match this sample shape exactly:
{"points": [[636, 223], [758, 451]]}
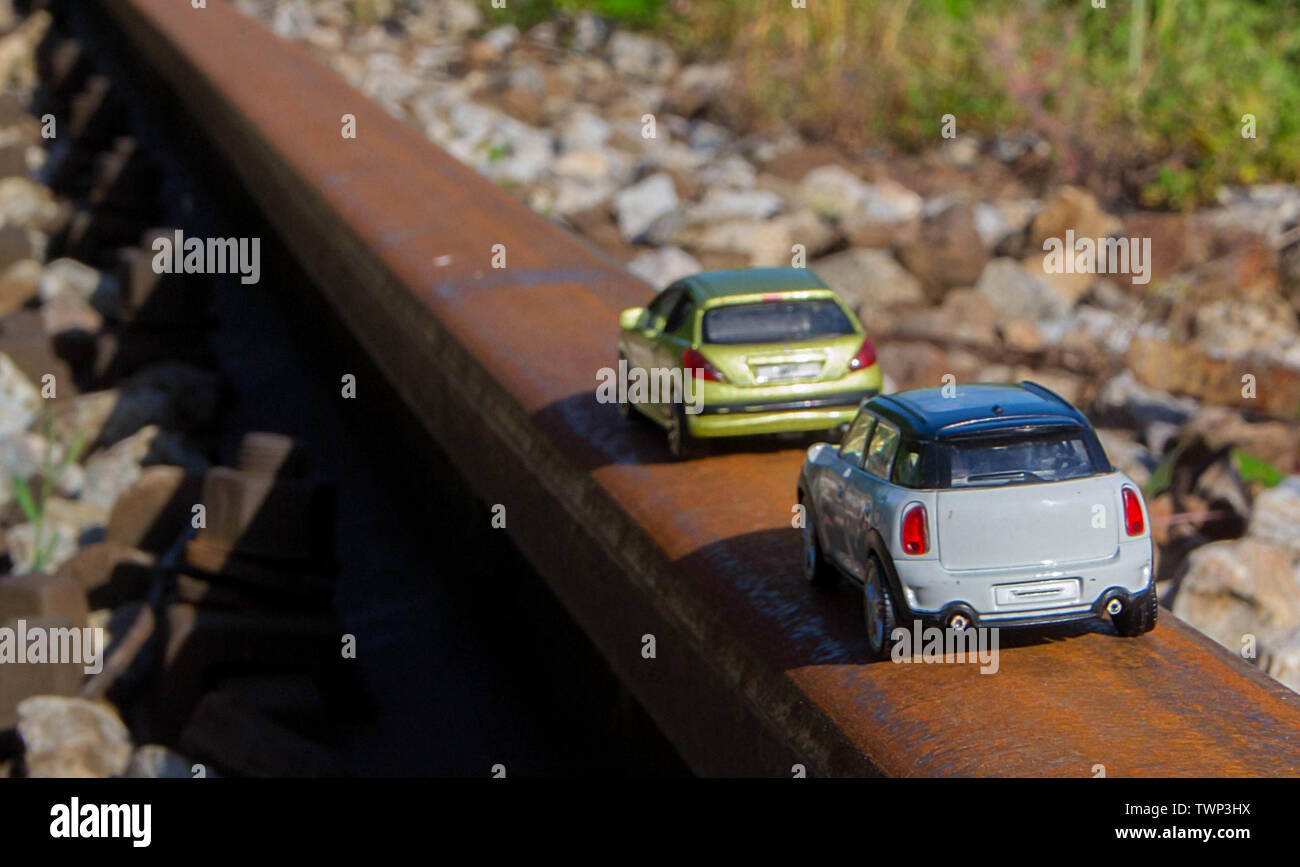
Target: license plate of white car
{"points": [[777, 372], [1054, 592]]}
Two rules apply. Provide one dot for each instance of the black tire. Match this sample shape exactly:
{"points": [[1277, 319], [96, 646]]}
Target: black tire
{"points": [[1139, 616], [816, 571], [878, 609], [681, 444], [625, 408]]}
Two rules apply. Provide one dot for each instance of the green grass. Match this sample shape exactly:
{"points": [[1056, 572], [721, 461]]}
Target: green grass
{"points": [[638, 14], [1145, 96], [1254, 469], [33, 500]]}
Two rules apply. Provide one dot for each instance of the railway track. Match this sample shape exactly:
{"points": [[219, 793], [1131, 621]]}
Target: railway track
{"points": [[753, 673]]}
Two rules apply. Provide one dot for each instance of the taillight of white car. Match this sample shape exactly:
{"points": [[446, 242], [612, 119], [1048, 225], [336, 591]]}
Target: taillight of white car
{"points": [[1133, 521], [914, 531]]}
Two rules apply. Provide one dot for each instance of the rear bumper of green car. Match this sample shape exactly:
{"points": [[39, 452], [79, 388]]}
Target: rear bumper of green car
{"points": [[728, 410]]}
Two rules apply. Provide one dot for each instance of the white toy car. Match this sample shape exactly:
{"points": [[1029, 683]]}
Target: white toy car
{"points": [[977, 505]]}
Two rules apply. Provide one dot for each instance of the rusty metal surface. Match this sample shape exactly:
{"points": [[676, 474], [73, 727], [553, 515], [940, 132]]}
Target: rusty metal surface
{"points": [[703, 549]]}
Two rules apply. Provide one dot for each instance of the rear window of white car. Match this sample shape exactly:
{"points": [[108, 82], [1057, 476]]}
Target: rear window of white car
{"points": [[775, 322], [1003, 460]]}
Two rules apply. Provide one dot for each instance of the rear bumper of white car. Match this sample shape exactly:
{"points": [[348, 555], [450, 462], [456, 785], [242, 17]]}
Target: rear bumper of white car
{"points": [[1025, 596]]}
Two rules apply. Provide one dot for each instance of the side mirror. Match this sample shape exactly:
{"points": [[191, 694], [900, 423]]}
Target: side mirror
{"points": [[817, 450], [630, 318]]}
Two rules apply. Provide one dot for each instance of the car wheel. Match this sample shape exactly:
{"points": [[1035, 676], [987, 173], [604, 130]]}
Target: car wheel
{"points": [[681, 444], [1139, 616], [877, 609], [816, 571], [625, 407]]}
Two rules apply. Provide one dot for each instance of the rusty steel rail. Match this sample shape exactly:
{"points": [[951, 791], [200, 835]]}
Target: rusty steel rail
{"points": [[754, 671]]}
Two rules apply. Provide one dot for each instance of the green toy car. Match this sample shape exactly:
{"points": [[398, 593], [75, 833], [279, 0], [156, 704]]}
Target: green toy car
{"points": [[749, 351]]}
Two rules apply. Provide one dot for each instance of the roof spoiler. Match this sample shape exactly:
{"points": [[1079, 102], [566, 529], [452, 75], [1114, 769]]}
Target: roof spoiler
{"points": [[1006, 423], [1044, 391]]}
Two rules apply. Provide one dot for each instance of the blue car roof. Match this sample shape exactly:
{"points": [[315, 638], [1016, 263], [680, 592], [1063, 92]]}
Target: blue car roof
{"points": [[929, 413]]}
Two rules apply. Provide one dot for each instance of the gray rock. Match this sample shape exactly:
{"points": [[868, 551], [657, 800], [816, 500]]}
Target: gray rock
{"points": [[1010, 147], [708, 138], [388, 82], [110, 472], [586, 164], [1277, 515], [18, 284], [1158, 435], [527, 79], [107, 416], [1221, 428], [990, 224], [889, 215], [528, 153], [293, 20], [575, 195], [732, 171], [171, 393], [23, 455], [472, 123], [869, 279], [672, 155], [23, 202], [72, 738], [590, 32], [936, 205], [832, 190], [638, 206], [1266, 209], [544, 33], [1018, 294], [1237, 328], [1126, 453], [806, 228], [962, 151], [157, 762], [699, 86], [1125, 402], [641, 57], [59, 538], [1279, 656], [663, 266], [458, 16], [964, 316], [889, 202], [1239, 587], [670, 230], [765, 243], [582, 129], [67, 312], [20, 400], [502, 38], [1221, 486], [68, 276], [720, 204]]}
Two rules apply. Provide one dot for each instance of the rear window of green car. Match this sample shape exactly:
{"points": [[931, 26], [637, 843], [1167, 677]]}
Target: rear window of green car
{"points": [[775, 322]]}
